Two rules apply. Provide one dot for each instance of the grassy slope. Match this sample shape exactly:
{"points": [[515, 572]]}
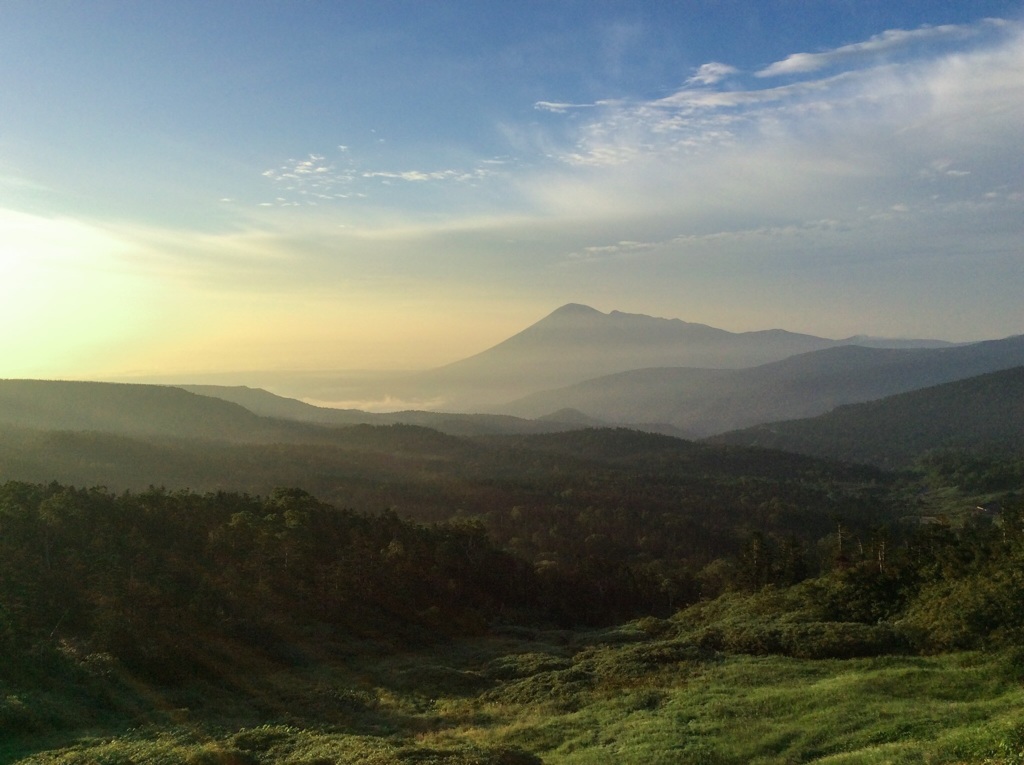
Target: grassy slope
{"points": [[642, 693]]}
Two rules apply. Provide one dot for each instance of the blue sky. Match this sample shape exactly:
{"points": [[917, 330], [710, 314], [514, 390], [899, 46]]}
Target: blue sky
{"points": [[216, 186]]}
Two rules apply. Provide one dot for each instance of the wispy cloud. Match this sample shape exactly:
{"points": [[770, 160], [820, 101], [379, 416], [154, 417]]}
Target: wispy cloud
{"points": [[893, 157], [711, 73], [888, 172], [560, 107], [629, 249], [316, 179], [419, 176], [888, 41], [309, 180], [847, 114]]}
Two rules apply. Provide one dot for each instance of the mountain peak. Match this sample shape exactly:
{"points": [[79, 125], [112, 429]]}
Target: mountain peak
{"points": [[575, 310]]}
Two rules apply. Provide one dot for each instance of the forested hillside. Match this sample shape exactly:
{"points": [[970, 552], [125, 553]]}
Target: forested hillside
{"points": [[137, 410], [167, 626], [982, 415], [219, 587], [633, 517]]}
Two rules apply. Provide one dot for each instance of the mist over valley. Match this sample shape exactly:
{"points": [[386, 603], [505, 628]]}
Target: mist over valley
{"points": [[511, 383]]}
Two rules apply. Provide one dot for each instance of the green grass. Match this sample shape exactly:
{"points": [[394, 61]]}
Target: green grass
{"points": [[774, 710], [638, 694]]}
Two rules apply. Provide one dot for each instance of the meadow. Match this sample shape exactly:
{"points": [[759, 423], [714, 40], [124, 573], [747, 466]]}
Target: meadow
{"points": [[644, 692]]}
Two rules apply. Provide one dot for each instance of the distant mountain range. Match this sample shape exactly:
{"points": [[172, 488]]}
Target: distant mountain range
{"points": [[580, 367], [131, 435], [656, 384], [222, 413], [979, 414], [267, 404], [702, 402], [577, 343]]}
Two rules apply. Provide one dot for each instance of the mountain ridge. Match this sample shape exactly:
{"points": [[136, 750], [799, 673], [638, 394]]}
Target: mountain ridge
{"points": [[576, 342], [703, 402], [132, 408], [980, 413]]}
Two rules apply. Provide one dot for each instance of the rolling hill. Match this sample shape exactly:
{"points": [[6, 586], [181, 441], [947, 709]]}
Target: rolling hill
{"points": [[979, 414], [703, 402], [133, 409], [267, 404]]}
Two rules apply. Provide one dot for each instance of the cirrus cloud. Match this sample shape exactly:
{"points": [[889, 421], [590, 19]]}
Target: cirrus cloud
{"points": [[888, 41]]}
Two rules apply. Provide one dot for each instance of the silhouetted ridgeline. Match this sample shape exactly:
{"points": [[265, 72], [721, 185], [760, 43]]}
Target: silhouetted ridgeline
{"points": [[269, 405], [134, 409], [980, 415], [621, 504], [573, 344], [704, 402]]}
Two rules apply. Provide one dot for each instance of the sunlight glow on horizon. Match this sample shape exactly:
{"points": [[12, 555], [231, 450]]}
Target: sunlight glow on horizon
{"points": [[390, 202]]}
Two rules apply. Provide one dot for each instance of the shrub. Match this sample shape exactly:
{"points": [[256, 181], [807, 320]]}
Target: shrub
{"points": [[841, 640]]}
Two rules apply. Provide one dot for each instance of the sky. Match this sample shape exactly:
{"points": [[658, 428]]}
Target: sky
{"points": [[221, 186]]}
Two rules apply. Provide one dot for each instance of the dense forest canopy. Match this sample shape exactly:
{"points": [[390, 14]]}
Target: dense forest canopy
{"points": [[200, 568], [142, 575]]}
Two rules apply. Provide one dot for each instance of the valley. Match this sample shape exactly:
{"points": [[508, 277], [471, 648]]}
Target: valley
{"points": [[482, 383], [221, 574]]}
